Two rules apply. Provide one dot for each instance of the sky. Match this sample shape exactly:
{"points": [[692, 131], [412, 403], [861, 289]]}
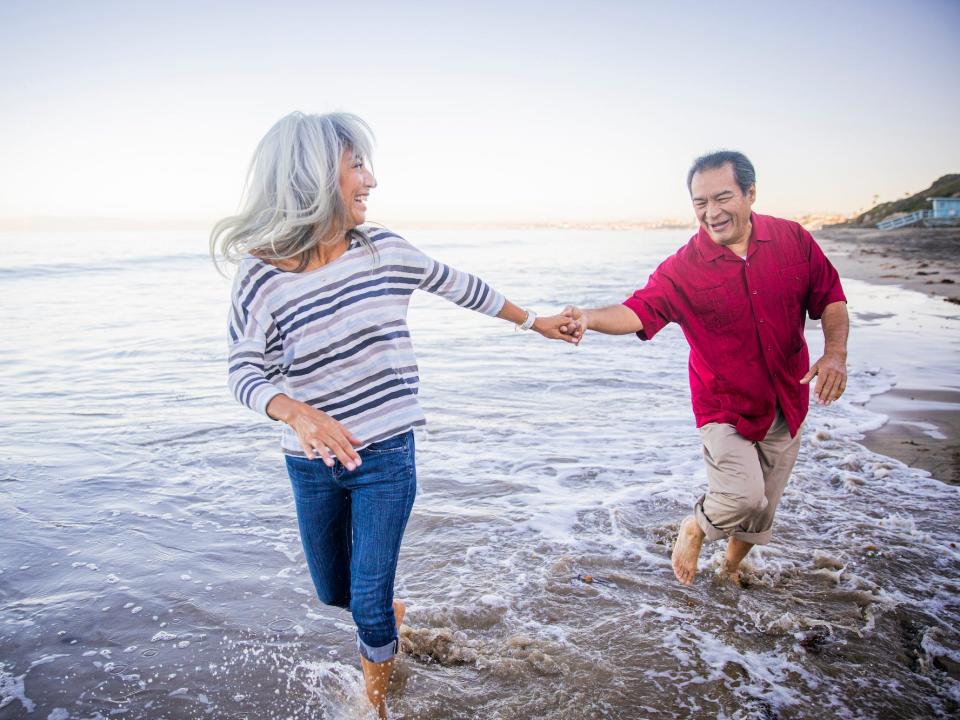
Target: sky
{"points": [[483, 112]]}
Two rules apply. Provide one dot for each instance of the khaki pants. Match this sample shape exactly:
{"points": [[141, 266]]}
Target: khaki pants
{"points": [[745, 480]]}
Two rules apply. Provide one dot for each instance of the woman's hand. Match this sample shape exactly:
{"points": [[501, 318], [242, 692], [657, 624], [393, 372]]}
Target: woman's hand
{"points": [[319, 434], [550, 327]]}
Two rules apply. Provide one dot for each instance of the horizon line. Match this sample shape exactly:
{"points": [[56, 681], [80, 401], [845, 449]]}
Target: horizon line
{"points": [[93, 222]]}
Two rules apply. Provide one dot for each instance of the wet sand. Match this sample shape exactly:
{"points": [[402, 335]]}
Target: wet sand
{"points": [[924, 426]]}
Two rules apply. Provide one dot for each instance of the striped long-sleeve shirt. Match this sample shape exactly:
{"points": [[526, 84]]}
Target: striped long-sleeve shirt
{"points": [[336, 337]]}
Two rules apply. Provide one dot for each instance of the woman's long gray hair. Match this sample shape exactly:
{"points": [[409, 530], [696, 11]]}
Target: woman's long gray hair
{"points": [[291, 199]]}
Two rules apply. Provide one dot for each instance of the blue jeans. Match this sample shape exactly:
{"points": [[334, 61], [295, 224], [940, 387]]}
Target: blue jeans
{"points": [[351, 525]]}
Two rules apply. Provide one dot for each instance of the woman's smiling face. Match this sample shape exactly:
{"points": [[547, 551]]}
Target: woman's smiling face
{"points": [[356, 181]]}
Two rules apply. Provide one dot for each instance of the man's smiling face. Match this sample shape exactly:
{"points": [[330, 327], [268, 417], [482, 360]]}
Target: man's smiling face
{"points": [[721, 207]]}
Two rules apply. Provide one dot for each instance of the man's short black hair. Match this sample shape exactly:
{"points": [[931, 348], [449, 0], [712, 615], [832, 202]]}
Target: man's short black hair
{"points": [[742, 168]]}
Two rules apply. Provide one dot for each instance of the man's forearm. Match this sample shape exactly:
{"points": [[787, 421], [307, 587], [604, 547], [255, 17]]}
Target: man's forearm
{"points": [[613, 320], [836, 328]]}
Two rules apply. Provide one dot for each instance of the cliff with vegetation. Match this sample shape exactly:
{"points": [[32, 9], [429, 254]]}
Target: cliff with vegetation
{"points": [[947, 186]]}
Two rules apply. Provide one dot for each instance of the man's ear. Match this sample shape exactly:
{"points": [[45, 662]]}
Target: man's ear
{"points": [[752, 194]]}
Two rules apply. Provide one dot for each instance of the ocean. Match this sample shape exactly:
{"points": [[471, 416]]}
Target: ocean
{"points": [[150, 565]]}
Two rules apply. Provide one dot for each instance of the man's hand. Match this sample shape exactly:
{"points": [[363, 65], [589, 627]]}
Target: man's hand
{"points": [[552, 327], [831, 373], [831, 369], [576, 322]]}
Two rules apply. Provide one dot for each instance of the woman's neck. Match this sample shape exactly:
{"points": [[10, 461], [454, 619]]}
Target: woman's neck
{"points": [[326, 252], [323, 253]]}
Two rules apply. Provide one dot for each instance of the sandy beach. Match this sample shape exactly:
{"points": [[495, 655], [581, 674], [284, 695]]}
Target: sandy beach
{"points": [[926, 260]]}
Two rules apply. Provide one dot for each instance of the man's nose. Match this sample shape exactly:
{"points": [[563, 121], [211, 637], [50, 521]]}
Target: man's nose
{"points": [[370, 181]]}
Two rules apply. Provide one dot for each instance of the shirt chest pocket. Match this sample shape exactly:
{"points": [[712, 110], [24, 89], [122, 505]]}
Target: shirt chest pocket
{"points": [[794, 286], [713, 306]]}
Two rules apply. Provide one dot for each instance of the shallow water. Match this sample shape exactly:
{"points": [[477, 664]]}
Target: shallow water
{"points": [[150, 565]]}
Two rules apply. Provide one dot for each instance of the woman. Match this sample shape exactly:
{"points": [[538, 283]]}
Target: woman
{"points": [[319, 340]]}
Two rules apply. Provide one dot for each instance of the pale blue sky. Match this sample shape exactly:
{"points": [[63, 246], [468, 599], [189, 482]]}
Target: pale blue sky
{"points": [[500, 111]]}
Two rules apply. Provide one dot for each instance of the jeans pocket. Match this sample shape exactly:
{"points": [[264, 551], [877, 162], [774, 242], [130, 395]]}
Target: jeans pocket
{"points": [[395, 444], [301, 469]]}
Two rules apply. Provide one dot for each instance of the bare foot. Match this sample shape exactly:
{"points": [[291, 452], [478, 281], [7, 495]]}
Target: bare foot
{"points": [[736, 551], [686, 550], [399, 610], [734, 577], [376, 677]]}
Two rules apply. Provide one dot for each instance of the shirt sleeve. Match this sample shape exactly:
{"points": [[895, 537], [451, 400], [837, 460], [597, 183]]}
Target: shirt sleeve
{"points": [[825, 287], [458, 287], [247, 374], [654, 304]]}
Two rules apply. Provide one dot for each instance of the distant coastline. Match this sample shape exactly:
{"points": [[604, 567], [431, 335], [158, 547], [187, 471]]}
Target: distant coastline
{"points": [[945, 186], [811, 221], [63, 224]]}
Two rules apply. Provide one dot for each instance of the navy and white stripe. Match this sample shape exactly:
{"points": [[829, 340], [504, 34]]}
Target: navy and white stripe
{"points": [[337, 337]]}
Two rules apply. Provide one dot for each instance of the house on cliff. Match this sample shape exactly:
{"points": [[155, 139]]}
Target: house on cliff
{"points": [[944, 211]]}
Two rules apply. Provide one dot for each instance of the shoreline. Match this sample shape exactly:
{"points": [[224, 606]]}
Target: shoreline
{"points": [[923, 259], [923, 429]]}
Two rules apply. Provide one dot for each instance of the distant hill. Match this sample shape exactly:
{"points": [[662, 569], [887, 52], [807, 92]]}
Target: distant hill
{"points": [[947, 186]]}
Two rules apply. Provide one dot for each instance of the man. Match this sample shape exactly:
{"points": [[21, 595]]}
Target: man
{"points": [[740, 290]]}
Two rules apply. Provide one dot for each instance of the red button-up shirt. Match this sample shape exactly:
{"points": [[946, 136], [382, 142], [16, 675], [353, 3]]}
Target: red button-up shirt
{"points": [[743, 319]]}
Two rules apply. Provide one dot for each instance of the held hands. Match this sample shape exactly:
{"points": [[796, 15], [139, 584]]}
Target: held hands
{"points": [[831, 373], [319, 434], [576, 323], [555, 327]]}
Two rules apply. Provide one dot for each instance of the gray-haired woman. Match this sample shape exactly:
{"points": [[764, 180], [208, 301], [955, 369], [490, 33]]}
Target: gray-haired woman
{"points": [[318, 339]]}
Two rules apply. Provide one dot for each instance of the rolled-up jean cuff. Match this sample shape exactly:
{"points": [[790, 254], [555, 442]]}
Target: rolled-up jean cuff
{"points": [[712, 532], [754, 538], [377, 654]]}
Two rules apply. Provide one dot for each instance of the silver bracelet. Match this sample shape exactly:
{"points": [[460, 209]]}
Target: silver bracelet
{"points": [[528, 323]]}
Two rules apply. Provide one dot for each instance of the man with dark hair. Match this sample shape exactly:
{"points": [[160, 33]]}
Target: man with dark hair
{"points": [[740, 290], [743, 171]]}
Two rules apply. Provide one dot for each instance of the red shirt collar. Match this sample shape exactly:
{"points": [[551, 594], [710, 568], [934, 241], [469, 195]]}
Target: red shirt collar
{"points": [[710, 251]]}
